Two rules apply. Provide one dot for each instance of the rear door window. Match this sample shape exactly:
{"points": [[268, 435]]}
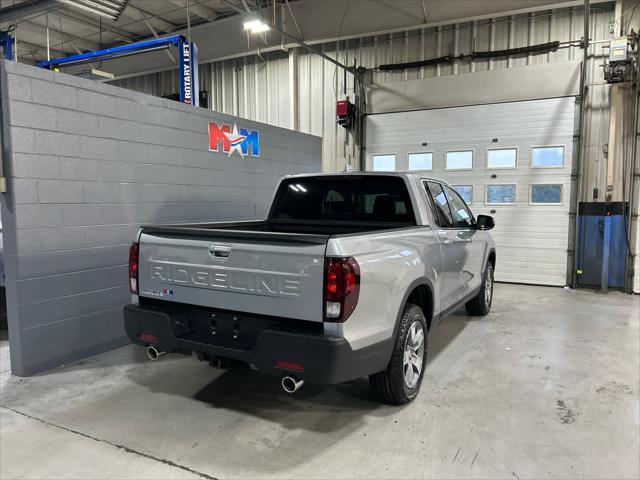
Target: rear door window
{"points": [[440, 204]]}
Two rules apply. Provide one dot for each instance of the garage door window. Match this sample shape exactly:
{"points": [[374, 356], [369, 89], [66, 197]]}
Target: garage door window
{"points": [[502, 158], [465, 191], [547, 157], [461, 160], [420, 161], [384, 163], [546, 194], [501, 194]]}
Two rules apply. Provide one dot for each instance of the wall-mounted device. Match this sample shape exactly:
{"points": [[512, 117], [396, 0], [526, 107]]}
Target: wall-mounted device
{"points": [[345, 113], [616, 65]]}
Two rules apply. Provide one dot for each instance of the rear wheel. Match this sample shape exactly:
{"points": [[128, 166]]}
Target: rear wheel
{"points": [[481, 305], [400, 382]]}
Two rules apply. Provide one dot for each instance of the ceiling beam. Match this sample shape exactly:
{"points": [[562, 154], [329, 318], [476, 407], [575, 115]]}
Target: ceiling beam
{"points": [[25, 8], [155, 34], [34, 28], [30, 48], [85, 20], [199, 10], [159, 23]]}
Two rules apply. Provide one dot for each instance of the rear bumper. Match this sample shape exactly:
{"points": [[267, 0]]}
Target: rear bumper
{"points": [[325, 360]]}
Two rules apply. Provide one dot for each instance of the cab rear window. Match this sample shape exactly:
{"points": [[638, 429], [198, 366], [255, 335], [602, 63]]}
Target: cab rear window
{"points": [[366, 199]]}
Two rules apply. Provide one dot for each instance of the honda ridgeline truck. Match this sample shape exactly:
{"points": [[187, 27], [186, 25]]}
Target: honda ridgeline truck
{"points": [[343, 280]]}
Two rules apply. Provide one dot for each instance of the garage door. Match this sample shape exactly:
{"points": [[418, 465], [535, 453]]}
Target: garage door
{"points": [[509, 160]]}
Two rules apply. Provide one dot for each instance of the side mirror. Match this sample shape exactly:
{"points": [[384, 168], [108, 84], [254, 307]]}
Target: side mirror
{"points": [[484, 222]]}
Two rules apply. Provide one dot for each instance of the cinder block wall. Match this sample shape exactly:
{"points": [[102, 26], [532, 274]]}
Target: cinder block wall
{"points": [[86, 163]]}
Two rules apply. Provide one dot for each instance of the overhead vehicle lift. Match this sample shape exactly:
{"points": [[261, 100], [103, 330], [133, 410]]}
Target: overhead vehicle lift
{"points": [[187, 54]]}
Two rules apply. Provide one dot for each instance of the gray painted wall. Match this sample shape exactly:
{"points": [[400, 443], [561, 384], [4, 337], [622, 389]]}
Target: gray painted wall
{"points": [[87, 163]]}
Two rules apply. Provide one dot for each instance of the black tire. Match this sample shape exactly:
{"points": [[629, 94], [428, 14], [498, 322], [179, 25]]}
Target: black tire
{"points": [[481, 304], [391, 385]]}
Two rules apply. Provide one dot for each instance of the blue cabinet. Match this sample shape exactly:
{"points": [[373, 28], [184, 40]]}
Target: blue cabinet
{"points": [[602, 244]]}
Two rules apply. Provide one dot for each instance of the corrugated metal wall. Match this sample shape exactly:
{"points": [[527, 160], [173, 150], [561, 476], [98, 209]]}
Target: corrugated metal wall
{"points": [[260, 88]]}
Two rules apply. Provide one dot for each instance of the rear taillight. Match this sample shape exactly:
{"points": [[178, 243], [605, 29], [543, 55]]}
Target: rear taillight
{"points": [[341, 288], [133, 268]]}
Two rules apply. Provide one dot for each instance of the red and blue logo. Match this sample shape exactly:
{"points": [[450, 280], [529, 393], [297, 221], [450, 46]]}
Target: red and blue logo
{"points": [[233, 139]]}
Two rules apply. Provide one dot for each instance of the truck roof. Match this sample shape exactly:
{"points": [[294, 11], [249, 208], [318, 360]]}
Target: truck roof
{"points": [[396, 173]]}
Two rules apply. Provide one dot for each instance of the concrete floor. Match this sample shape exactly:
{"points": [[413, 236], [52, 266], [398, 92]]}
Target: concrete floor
{"points": [[546, 386]]}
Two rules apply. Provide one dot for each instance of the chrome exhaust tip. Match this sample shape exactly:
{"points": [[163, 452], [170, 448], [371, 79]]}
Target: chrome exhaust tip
{"points": [[153, 353], [291, 383]]}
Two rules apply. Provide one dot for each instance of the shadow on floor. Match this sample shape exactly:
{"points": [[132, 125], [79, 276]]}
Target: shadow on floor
{"points": [[244, 390], [446, 331], [226, 403], [240, 389]]}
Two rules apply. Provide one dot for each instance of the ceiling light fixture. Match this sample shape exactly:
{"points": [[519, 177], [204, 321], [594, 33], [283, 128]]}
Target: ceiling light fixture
{"points": [[95, 74], [256, 26], [105, 8]]}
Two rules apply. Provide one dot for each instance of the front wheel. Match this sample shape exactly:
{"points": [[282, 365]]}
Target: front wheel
{"points": [[400, 382], [481, 304]]}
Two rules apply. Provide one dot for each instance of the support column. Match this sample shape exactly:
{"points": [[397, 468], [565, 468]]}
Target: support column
{"points": [[294, 89], [615, 150]]}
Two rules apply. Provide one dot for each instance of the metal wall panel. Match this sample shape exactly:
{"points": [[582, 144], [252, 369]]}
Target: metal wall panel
{"points": [[531, 239], [532, 82]]}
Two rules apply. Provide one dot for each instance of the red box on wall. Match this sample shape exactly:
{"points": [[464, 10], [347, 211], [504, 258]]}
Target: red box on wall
{"points": [[342, 108]]}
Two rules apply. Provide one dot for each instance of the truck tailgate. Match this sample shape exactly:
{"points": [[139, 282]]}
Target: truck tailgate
{"points": [[259, 272]]}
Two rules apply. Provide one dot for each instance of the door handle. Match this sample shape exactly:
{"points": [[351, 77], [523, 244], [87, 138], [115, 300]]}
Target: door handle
{"points": [[464, 236], [447, 242]]}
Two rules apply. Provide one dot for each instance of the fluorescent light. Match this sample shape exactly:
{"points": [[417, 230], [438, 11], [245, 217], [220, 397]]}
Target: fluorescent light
{"points": [[301, 188], [256, 26], [261, 28], [105, 8], [95, 74], [103, 74], [250, 25]]}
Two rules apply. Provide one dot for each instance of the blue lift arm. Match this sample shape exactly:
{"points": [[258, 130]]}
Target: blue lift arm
{"points": [[187, 53], [7, 41]]}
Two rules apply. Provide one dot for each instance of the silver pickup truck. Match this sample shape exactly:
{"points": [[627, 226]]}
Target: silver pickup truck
{"points": [[343, 280]]}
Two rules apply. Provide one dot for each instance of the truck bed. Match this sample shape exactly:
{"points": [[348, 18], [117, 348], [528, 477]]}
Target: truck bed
{"points": [[273, 267], [260, 267]]}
